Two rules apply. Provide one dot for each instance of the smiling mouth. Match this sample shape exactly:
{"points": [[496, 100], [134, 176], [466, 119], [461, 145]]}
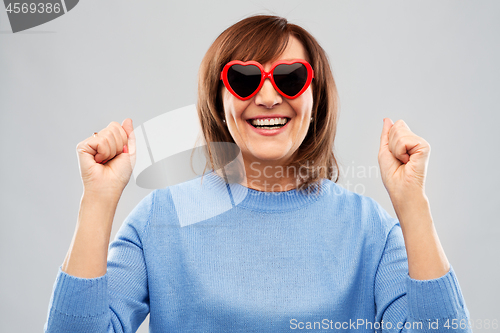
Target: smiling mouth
{"points": [[268, 124]]}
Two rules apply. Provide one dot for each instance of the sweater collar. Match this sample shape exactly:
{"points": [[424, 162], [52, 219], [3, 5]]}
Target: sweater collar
{"points": [[249, 198]]}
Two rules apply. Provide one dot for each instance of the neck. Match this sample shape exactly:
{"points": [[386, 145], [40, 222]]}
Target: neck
{"points": [[270, 177], [264, 175]]}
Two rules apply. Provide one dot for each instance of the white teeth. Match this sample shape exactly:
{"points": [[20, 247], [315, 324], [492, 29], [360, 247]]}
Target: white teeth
{"points": [[267, 121]]}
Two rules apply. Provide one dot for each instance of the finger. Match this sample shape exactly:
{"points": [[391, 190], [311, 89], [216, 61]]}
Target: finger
{"points": [[86, 146], [124, 138], [85, 153], [87, 149], [384, 138], [120, 137], [404, 146], [400, 128], [106, 147], [128, 127]]}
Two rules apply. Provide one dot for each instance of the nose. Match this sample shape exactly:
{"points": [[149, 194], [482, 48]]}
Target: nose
{"points": [[267, 95]]}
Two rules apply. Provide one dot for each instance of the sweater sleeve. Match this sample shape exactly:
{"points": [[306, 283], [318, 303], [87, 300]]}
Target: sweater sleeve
{"points": [[115, 302], [404, 304]]}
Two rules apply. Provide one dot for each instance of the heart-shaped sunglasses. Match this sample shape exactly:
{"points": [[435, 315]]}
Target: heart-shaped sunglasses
{"points": [[289, 78]]}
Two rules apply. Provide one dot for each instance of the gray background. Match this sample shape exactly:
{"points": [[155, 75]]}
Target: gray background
{"points": [[434, 64]]}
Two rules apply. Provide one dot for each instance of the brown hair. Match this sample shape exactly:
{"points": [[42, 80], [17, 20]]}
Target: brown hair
{"points": [[263, 38]]}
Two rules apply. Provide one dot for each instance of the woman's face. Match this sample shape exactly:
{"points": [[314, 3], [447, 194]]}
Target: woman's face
{"points": [[256, 146]]}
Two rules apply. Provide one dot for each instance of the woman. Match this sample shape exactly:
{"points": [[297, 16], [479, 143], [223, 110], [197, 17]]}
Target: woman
{"points": [[274, 245]]}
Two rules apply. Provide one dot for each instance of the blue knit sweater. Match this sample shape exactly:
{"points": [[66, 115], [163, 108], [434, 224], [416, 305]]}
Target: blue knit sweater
{"points": [[215, 257]]}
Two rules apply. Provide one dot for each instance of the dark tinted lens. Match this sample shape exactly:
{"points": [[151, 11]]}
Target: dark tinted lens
{"points": [[244, 80], [290, 78]]}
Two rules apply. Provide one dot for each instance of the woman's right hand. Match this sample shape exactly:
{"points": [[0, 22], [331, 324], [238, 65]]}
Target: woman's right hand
{"points": [[105, 164]]}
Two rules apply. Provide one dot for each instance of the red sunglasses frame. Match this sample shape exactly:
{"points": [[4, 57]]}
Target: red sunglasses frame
{"points": [[266, 75]]}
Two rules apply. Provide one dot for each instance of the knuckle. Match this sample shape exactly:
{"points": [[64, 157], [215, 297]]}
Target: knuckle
{"points": [[116, 139], [403, 139], [120, 136], [124, 136], [122, 131], [110, 140], [83, 143], [107, 135], [104, 144], [118, 132]]}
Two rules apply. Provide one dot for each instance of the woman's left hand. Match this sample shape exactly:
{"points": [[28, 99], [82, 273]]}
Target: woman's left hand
{"points": [[403, 158]]}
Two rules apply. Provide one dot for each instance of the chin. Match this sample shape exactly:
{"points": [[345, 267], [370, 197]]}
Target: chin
{"points": [[268, 156]]}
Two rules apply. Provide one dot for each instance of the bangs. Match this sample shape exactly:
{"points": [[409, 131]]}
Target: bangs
{"points": [[261, 42]]}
